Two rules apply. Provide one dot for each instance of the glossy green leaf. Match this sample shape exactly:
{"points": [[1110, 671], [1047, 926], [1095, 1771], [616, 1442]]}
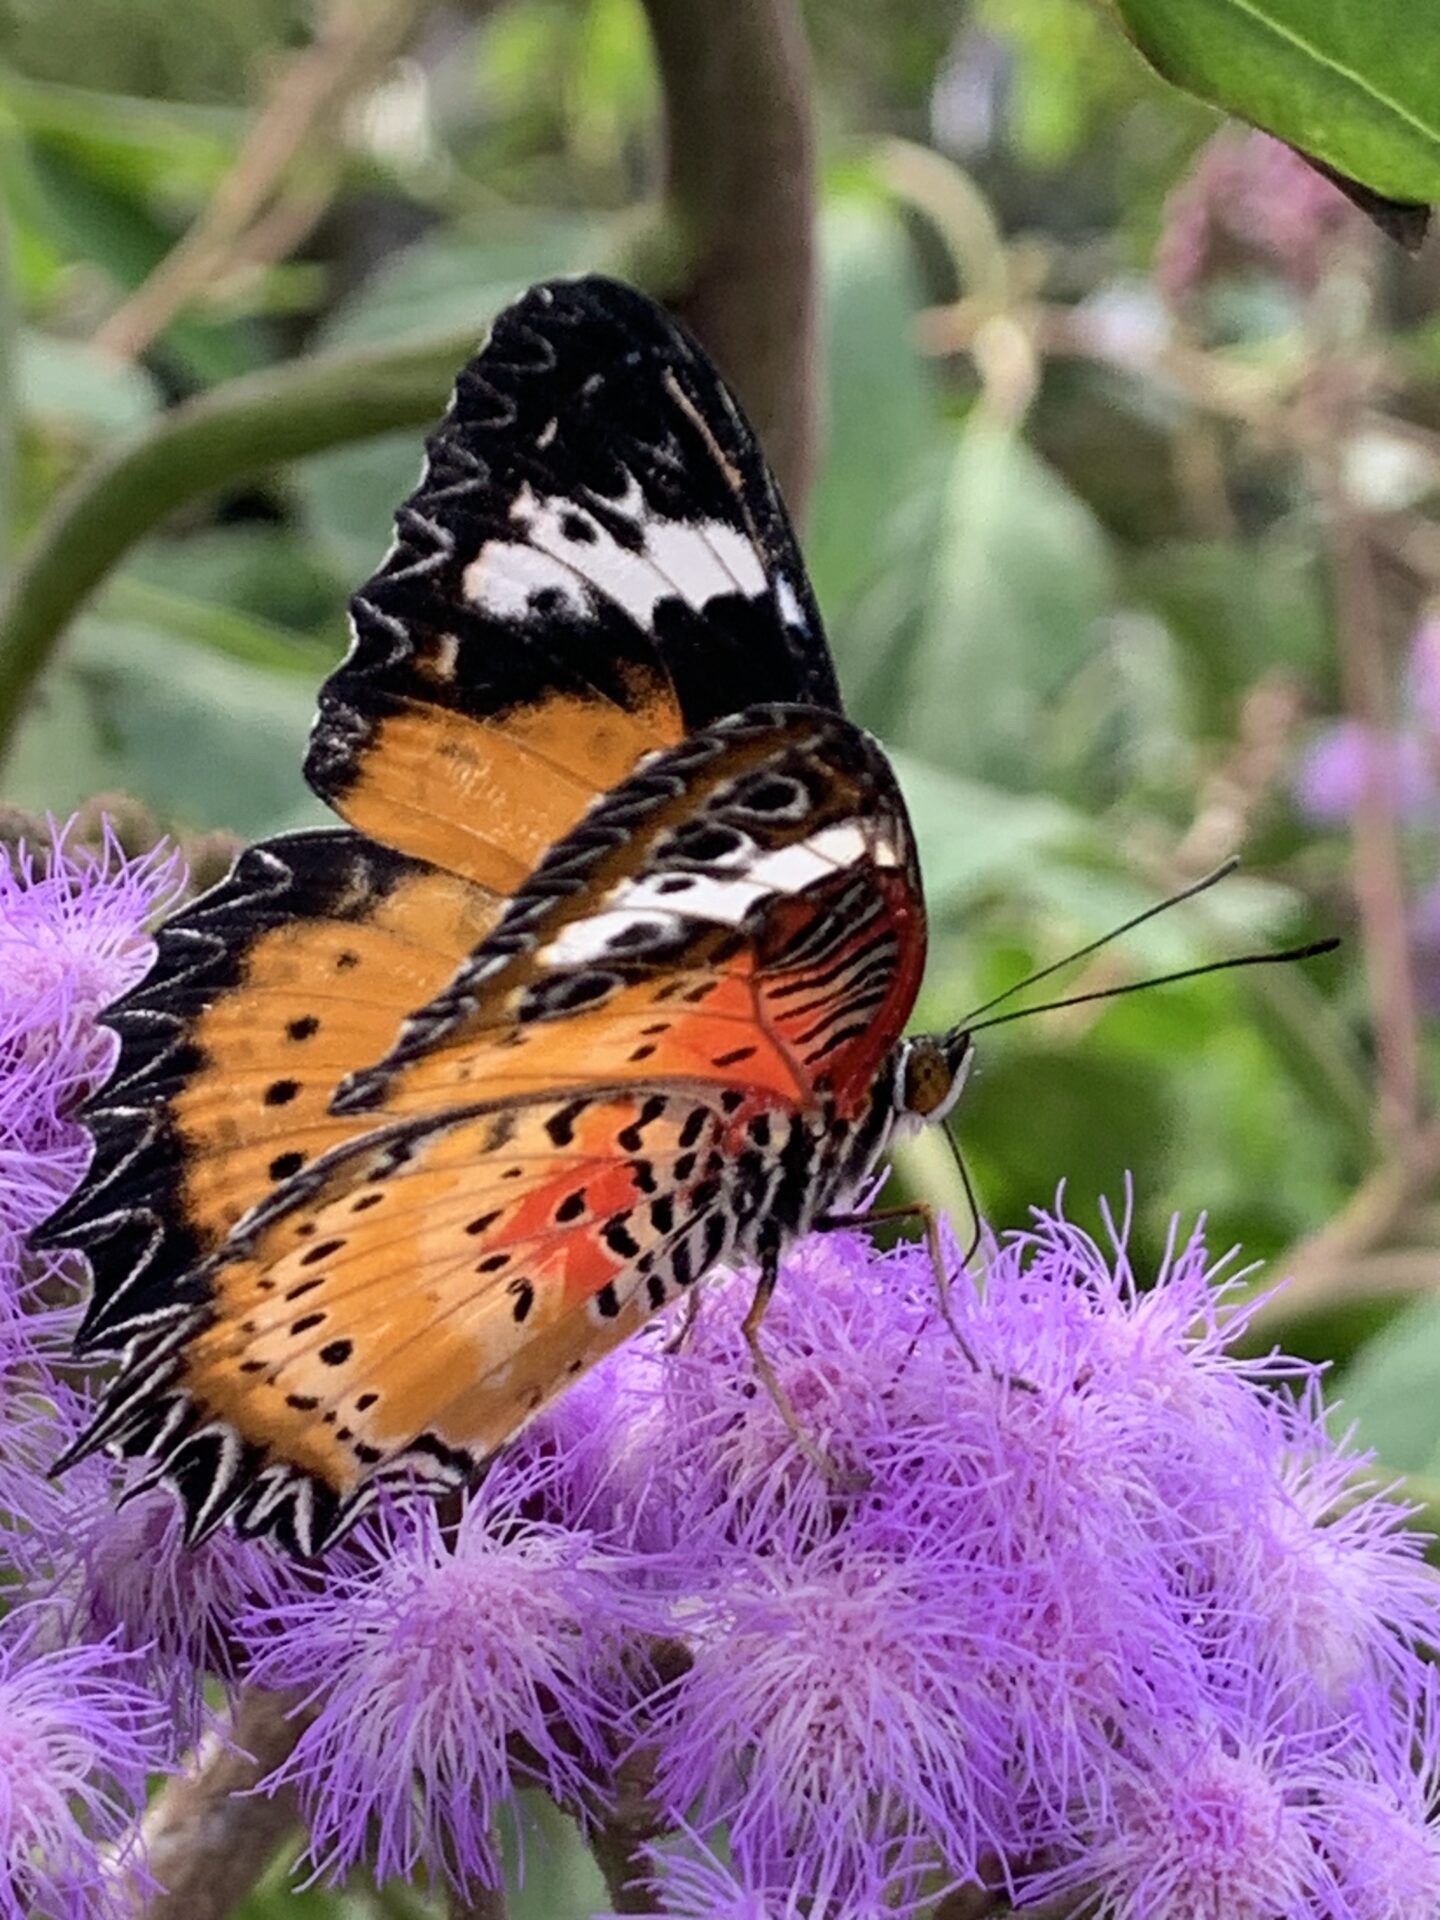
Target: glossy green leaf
{"points": [[1351, 82]]}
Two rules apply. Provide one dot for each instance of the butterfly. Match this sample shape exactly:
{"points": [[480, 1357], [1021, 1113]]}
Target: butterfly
{"points": [[602, 982]]}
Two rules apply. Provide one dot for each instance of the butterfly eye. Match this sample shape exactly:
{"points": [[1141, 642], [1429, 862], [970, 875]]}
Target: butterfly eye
{"points": [[934, 1073]]}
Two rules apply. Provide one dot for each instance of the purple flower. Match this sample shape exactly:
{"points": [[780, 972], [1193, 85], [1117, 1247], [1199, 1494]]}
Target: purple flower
{"points": [[449, 1664], [1111, 1612], [696, 1884], [122, 1575], [1403, 767], [78, 1737], [72, 938]]}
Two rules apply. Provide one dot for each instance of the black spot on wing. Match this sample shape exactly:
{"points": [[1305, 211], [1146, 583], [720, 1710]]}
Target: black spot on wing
{"points": [[126, 1214]]}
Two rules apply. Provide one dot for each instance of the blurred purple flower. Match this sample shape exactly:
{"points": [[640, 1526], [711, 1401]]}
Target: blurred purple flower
{"points": [[440, 1668], [1334, 773], [78, 1737], [1250, 201]]}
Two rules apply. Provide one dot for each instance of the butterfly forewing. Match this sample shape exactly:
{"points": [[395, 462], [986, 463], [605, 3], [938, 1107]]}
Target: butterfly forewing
{"points": [[595, 562]]}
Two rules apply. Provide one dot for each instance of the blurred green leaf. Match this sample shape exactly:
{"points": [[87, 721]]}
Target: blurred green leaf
{"points": [[1390, 1391], [71, 384], [1036, 1116], [219, 629], [1006, 577], [260, 567], [169, 146], [203, 740], [1353, 85], [975, 838], [880, 406], [1239, 609]]}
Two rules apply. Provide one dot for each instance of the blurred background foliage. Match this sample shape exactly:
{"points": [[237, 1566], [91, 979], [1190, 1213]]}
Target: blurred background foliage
{"points": [[1124, 531]]}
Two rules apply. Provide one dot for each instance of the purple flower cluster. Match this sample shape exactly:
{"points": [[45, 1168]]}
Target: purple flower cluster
{"points": [[79, 1728], [1401, 768], [1108, 1615], [1087, 1610]]}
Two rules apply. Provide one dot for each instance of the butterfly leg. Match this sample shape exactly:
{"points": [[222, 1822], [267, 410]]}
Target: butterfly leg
{"points": [[682, 1333], [919, 1210], [838, 1476]]}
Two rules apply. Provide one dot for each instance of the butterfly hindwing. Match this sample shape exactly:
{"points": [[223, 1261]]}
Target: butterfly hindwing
{"points": [[264, 992], [595, 562], [440, 1281]]}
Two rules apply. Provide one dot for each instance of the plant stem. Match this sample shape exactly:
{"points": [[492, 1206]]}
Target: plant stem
{"points": [[617, 1850], [207, 1838], [1379, 881], [353, 40], [1319, 1268], [238, 429]]}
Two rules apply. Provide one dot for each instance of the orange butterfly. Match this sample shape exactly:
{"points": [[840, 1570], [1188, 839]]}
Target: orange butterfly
{"points": [[603, 983]]}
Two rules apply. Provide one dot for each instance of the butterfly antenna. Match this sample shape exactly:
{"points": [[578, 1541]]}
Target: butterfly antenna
{"points": [[1203, 885], [1285, 954]]}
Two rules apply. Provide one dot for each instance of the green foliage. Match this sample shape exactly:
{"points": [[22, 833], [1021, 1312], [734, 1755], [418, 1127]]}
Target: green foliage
{"points": [[1352, 85]]}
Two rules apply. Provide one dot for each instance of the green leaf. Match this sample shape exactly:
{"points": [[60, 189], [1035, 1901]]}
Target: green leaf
{"points": [[974, 838], [880, 407], [1351, 82], [1390, 1391], [994, 598], [204, 741], [73, 385]]}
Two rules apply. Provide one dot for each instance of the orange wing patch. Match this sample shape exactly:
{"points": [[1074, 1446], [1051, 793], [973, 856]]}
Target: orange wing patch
{"points": [[265, 992], [486, 797], [412, 1302]]}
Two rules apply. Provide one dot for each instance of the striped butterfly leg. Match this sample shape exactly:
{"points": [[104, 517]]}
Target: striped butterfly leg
{"points": [[842, 1479]]}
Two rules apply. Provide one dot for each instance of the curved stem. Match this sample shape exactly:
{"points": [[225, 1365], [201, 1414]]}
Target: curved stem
{"points": [[247, 425]]}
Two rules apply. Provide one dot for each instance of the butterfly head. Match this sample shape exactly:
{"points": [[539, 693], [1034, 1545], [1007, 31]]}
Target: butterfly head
{"points": [[932, 1073]]}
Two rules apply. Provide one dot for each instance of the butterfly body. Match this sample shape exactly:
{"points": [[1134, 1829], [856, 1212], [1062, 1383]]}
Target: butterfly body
{"points": [[603, 984]]}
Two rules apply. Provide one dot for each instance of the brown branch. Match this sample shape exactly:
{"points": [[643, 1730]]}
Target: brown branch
{"points": [[207, 1839], [353, 42], [740, 199]]}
